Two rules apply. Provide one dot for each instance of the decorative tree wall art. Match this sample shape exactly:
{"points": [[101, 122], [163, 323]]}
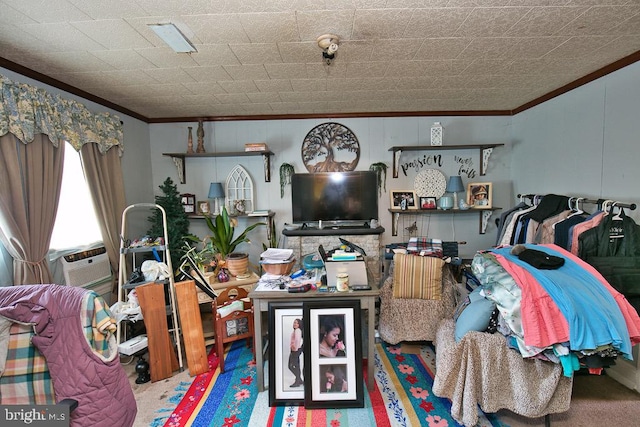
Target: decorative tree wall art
{"points": [[330, 147]]}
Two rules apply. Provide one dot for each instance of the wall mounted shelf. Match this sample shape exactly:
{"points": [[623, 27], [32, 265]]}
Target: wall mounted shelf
{"points": [[485, 153], [484, 213], [179, 161]]}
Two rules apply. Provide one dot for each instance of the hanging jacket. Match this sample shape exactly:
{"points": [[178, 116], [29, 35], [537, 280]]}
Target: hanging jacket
{"points": [[598, 241], [95, 379]]}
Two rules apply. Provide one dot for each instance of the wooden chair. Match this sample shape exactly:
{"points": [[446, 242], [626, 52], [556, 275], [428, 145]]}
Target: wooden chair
{"points": [[233, 326]]}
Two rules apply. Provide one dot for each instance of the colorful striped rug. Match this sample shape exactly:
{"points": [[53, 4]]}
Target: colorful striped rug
{"points": [[401, 397]]}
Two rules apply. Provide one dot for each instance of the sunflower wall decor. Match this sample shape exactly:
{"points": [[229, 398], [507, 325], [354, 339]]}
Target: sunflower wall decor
{"points": [[330, 147]]}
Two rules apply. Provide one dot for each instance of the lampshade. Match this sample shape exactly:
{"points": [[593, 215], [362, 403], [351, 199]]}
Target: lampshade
{"points": [[455, 184], [216, 190]]}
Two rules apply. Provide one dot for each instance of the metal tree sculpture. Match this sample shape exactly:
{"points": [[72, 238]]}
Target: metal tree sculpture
{"points": [[329, 147]]}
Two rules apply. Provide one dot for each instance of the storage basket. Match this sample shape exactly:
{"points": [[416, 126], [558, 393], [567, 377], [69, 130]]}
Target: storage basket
{"points": [[280, 269]]}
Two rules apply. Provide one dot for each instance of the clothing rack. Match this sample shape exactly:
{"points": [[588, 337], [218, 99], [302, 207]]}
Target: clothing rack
{"points": [[614, 203]]}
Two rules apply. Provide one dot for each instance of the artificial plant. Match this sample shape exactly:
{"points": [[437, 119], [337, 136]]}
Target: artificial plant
{"points": [[380, 169], [286, 171], [177, 221]]}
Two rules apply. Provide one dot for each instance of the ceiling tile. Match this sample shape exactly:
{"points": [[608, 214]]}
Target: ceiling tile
{"points": [[490, 22], [242, 86], [270, 27], [366, 69], [380, 23], [169, 75], [442, 48], [286, 71], [273, 85], [599, 20], [256, 53], [301, 52], [263, 97], [315, 23], [438, 22], [545, 21], [61, 37], [217, 28], [122, 59], [247, 72], [48, 11], [214, 54], [112, 33], [308, 85], [207, 74]]}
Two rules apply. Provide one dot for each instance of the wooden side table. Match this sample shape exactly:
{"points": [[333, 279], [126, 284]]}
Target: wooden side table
{"points": [[205, 302], [234, 326]]}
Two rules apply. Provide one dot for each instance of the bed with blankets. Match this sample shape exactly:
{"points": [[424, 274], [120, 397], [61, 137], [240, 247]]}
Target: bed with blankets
{"points": [[538, 314], [57, 343]]}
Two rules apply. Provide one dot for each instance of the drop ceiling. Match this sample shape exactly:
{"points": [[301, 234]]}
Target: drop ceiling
{"points": [[261, 57]]}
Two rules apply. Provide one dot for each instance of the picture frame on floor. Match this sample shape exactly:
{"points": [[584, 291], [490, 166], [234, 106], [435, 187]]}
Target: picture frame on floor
{"points": [[286, 382], [333, 355]]}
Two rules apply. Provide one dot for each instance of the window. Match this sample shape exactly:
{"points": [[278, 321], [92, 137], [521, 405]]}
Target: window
{"points": [[76, 222]]}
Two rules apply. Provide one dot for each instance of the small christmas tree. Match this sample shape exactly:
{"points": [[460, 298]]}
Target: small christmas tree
{"points": [[177, 221]]}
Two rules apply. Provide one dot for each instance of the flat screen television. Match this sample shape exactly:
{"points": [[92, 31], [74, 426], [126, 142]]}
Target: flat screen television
{"points": [[342, 197]]}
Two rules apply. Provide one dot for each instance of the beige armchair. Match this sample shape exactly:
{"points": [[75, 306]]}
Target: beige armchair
{"points": [[418, 293]]}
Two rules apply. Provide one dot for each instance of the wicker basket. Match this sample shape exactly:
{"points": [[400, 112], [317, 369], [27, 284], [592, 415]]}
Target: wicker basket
{"points": [[280, 269]]}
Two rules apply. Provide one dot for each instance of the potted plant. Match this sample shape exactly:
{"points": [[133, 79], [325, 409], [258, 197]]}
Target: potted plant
{"points": [[222, 238]]}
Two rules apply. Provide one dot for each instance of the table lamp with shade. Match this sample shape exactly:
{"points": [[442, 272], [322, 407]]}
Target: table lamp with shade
{"points": [[455, 186], [216, 192]]}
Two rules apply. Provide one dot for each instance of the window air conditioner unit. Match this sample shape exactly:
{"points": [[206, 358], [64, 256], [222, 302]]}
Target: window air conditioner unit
{"points": [[86, 268]]}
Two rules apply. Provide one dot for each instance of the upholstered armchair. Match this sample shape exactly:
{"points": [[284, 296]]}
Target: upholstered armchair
{"points": [[417, 294]]}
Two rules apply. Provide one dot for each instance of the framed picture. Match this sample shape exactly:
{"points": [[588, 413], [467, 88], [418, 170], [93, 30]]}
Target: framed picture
{"points": [[204, 208], [188, 202], [403, 199], [428, 203], [286, 381], [333, 355], [479, 195]]}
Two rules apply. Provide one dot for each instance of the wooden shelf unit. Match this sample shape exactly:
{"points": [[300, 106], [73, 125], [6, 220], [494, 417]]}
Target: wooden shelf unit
{"points": [[179, 161], [485, 214]]}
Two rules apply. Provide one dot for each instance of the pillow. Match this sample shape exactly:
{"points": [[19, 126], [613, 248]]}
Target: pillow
{"points": [[475, 317], [417, 277]]}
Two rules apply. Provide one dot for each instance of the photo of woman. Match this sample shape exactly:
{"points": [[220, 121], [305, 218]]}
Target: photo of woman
{"points": [[333, 379], [296, 351], [332, 336]]}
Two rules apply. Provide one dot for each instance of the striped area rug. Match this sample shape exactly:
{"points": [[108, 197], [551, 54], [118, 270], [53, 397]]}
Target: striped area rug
{"points": [[401, 397]]}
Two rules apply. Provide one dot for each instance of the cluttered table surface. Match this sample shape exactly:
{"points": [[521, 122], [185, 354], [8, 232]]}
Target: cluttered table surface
{"points": [[273, 289]]}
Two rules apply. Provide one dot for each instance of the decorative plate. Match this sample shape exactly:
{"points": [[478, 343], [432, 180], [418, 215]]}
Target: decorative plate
{"points": [[430, 183]]}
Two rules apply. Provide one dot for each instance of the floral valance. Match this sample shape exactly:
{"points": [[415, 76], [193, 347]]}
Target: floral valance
{"points": [[26, 110]]}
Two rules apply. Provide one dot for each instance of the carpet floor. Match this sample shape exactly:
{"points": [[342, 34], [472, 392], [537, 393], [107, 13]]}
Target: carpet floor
{"points": [[402, 397]]}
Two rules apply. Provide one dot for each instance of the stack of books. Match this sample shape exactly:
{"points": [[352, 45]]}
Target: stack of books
{"points": [[256, 146]]}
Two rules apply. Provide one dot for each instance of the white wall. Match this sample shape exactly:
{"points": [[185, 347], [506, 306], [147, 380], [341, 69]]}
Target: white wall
{"points": [[375, 135], [583, 143]]}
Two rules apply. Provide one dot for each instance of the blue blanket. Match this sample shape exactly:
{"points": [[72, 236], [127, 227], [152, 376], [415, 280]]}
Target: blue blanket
{"points": [[592, 313]]}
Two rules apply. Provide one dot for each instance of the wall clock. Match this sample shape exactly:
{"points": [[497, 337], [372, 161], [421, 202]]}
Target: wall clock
{"points": [[330, 147]]}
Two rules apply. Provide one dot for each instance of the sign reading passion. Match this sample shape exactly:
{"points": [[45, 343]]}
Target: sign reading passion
{"points": [[465, 164]]}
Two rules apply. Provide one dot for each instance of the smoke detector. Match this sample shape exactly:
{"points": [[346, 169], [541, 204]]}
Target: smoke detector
{"points": [[329, 45]]}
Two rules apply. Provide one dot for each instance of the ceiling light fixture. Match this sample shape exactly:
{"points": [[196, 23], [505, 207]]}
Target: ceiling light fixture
{"points": [[173, 37], [329, 45]]}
